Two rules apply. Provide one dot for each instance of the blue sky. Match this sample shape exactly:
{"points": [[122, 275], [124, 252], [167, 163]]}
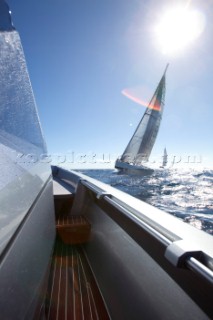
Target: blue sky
{"points": [[82, 54]]}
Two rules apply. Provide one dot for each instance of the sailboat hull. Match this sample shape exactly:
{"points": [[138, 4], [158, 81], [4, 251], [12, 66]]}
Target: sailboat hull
{"points": [[133, 169]]}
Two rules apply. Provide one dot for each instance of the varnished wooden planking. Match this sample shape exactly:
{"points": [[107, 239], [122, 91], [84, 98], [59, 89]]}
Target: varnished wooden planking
{"points": [[73, 293], [73, 229]]}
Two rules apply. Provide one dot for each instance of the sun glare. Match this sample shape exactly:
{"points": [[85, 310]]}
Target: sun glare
{"points": [[178, 28]]}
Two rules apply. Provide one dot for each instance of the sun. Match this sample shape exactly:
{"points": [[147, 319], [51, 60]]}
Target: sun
{"points": [[177, 28]]}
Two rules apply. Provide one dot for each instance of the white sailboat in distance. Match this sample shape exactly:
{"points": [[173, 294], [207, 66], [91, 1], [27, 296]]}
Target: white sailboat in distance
{"points": [[138, 150], [165, 158]]}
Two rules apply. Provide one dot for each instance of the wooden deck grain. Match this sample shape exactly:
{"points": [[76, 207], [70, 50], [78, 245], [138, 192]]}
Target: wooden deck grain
{"points": [[72, 290], [73, 229]]}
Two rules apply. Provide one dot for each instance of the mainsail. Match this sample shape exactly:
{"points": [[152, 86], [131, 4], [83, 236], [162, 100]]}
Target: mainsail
{"points": [[140, 146]]}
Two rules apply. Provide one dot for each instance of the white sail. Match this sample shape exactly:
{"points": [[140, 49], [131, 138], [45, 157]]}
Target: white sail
{"points": [[165, 158], [140, 146]]}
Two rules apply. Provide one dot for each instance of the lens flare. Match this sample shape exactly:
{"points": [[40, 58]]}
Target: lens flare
{"points": [[155, 105]]}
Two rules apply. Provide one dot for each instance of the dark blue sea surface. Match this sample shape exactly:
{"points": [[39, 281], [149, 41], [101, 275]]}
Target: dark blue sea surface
{"points": [[187, 194]]}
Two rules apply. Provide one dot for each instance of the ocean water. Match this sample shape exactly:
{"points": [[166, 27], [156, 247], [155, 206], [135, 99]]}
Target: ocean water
{"points": [[186, 194]]}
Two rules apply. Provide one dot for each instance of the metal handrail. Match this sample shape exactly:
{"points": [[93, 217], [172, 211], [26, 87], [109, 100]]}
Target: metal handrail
{"points": [[199, 268], [156, 234], [190, 262]]}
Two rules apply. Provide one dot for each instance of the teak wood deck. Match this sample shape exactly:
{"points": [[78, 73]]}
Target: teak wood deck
{"points": [[72, 290]]}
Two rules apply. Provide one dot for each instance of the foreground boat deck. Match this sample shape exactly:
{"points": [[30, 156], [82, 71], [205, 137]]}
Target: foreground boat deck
{"points": [[72, 290], [92, 278]]}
